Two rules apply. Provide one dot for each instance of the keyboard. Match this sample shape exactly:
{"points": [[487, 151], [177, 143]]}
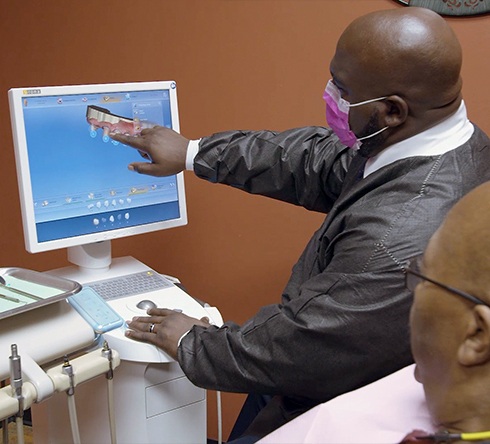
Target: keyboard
{"points": [[129, 285]]}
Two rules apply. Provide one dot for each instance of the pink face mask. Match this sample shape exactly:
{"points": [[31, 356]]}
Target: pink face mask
{"points": [[337, 111]]}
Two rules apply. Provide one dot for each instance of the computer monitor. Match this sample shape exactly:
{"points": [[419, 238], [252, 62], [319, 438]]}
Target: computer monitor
{"points": [[76, 191]]}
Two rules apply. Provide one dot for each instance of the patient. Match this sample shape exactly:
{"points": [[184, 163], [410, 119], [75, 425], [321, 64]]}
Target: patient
{"points": [[450, 338], [450, 317]]}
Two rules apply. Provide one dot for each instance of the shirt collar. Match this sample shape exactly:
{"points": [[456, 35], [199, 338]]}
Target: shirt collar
{"points": [[439, 139]]}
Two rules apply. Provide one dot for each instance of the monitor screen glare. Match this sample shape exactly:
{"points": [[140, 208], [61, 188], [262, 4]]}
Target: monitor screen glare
{"points": [[74, 182]]}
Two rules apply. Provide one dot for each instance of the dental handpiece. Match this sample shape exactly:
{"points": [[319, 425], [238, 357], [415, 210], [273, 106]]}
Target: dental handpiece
{"points": [[16, 377]]}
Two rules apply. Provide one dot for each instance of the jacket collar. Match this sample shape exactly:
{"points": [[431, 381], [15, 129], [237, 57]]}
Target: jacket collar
{"points": [[441, 138]]}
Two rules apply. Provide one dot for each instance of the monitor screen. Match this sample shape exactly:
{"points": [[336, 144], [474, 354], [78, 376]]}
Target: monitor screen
{"points": [[75, 187]]}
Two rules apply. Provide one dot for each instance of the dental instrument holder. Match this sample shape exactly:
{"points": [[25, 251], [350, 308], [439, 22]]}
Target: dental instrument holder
{"points": [[23, 290], [33, 312]]}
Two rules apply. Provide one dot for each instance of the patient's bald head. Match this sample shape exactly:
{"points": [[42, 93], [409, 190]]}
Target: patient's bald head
{"points": [[465, 238], [451, 335]]}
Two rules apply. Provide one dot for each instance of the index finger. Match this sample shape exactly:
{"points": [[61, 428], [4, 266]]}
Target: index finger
{"points": [[132, 141]]}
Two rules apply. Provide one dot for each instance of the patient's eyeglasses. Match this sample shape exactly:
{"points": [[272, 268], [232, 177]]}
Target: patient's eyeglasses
{"points": [[413, 277]]}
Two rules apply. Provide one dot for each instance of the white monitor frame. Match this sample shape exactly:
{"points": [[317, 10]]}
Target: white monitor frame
{"points": [[16, 98]]}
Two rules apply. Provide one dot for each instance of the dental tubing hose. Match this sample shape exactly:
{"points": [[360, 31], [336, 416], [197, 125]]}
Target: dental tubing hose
{"points": [[68, 370], [107, 352], [40, 384], [72, 409]]}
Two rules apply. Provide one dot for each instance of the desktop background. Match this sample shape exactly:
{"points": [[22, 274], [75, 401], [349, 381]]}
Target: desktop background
{"points": [[238, 64]]}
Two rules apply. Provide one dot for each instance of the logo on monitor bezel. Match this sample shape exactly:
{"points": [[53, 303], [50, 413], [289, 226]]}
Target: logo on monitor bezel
{"points": [[30, 92]]}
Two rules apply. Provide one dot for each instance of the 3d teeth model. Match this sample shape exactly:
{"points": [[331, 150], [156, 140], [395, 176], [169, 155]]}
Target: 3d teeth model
{"points": [[99, 117]]}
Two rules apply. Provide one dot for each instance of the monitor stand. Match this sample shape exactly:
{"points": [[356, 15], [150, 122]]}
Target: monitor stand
{"points": [[93, 262], [95, 257]]}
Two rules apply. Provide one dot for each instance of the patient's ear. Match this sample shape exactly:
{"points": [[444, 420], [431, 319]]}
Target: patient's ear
{"points": [[475, 348]]}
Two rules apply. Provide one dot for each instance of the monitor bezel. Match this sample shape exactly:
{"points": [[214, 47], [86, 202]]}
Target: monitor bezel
{"points": [[16, 96]]}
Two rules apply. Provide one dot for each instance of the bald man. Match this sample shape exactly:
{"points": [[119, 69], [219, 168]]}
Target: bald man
{"points": [[450, 317], [398, 153]]}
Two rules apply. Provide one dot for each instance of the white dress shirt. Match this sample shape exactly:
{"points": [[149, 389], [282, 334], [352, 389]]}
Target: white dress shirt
{"points": [[441, 138]]}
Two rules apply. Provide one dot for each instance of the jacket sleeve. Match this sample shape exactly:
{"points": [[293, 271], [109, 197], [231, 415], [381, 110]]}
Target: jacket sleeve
{"points": [[303, 166], [343, 342]]}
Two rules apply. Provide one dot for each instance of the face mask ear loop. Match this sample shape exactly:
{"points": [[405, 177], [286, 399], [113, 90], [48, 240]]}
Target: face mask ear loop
{"points": [[374, 134], [365, 102]]}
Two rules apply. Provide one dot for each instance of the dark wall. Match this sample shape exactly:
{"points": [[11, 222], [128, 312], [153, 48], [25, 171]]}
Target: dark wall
{"points": [[238, 64]]}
